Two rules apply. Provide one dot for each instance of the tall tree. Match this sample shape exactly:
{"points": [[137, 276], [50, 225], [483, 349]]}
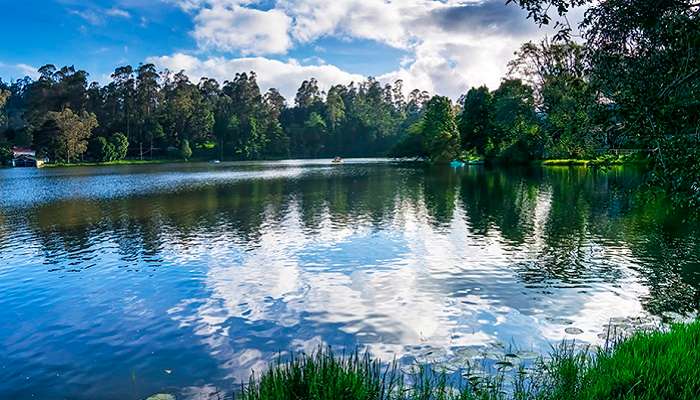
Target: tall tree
{"points": [[440, 130], [64, 134], [476, 119], [148, 99]]}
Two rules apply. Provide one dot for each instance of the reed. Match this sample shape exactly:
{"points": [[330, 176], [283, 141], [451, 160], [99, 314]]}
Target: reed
{"points": [[647, 365]]}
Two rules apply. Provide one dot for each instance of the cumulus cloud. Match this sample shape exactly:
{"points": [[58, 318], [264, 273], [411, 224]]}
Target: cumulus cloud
{"points": [[453, 44], [367, 19], [250, 31], [286, 76]]}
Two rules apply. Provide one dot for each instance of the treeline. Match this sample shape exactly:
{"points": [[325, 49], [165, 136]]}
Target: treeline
{"points": [[545, 109], [144, 113], [632, 82]]}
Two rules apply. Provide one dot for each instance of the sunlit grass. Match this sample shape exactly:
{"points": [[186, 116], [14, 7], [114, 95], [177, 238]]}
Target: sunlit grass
{"points": [[606, 160], [653, 365]]}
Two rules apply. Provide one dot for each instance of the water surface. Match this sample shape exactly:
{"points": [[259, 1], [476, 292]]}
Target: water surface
{"points": [[117, 283]]}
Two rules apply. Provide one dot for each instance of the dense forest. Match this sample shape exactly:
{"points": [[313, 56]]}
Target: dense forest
{"points": [[143, 113], [630, 81]]}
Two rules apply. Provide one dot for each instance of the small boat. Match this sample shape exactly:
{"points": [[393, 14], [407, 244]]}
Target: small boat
{"points": [[337, 160], [215, 162], [457, 164]]}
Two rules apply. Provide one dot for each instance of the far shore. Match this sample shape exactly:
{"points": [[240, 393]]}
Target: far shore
{"points": [[589, 162]]}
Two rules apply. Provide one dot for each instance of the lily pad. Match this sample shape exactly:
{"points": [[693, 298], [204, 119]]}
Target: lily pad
{"points": [[528, 355], [573, 331], [161, 396]]}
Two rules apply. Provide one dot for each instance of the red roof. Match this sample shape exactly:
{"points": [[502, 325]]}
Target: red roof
{"points": [[18, 151]]}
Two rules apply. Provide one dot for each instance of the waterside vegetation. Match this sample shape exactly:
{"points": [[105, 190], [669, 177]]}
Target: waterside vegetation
{"points": [[647, 365]]}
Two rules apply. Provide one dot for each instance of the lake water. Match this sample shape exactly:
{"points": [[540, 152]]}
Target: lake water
{"points": [[118, 283]]}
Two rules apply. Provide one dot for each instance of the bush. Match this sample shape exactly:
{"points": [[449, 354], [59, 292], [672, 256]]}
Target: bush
{"points": [[121, 145], [101, 150]]}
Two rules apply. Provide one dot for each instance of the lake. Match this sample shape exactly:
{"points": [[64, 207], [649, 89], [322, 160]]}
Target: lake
{"points": [[122, 282]]}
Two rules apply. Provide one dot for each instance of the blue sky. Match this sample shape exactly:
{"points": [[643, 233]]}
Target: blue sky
{"points": [[443, 46]]}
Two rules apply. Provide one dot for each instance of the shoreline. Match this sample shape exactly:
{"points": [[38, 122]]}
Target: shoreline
{"points": [[650, 364], [598, 162]]}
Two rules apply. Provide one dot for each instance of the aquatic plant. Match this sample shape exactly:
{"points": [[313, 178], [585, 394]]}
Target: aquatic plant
{"points": [[646, 365]]}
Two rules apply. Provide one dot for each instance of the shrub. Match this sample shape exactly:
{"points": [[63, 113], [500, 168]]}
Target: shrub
{"points": [[121, 145], [101, 149]]}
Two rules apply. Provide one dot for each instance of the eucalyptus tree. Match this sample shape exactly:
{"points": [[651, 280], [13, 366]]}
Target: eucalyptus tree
{"points": [[123, 87], [148, 99], [246, 119], [277, 139]]}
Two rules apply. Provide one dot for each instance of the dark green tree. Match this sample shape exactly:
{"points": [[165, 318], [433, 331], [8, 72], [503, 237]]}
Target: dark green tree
{"points": [[476, 119]]}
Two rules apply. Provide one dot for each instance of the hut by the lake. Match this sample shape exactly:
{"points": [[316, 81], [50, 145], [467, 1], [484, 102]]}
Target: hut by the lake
{"points": [[25, 157]]}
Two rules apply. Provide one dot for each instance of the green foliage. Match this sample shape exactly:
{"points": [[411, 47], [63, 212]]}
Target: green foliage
{"points": [[254, 141], [103, 150], [155, 112], [564, 97], [100, 149], [434, 137], [153, 131], [121, 146], [640, 65], [516, 131], [440, 130], [5, 153], [476, 119], [653, 365], [501, 125], [64, 135], [677, 169], [413, 145], [4, 96], [185, 150]]}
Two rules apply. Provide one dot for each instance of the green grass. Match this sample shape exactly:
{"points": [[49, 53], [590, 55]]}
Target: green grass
{"points": [[606, 160], [566, 162], [653, 365]]}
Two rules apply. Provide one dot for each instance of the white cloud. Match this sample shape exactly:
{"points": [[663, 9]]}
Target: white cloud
{"points": [[367, 19], [17, 71], [454, 44], [285, 76], [97, 17], [250, 31], [118, 12], [89, 16]]}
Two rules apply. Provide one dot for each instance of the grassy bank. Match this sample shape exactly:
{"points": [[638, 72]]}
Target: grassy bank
{"points": [[597, 162], [653, 365]]}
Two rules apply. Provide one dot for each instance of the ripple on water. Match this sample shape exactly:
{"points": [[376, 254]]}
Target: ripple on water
{"points": [[111, 277]]}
